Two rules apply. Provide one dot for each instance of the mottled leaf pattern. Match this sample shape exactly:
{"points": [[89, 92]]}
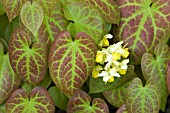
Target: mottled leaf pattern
{"points": [[86, 18], [9, 81], [168, 76], [144, 24], [53, 24], [38, 101], [141, 99], [122, 109], [71, 62], [97, 85], [80, 103], [116, 97], [28, 60], [155, 68], [32, 16], [12, 8]]}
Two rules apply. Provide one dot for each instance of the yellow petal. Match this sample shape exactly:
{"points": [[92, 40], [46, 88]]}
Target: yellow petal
{"points": [[95, 73], [111, 79], [105, 42], [122, 71], [99, 57], [126, 54], [116, 56]]}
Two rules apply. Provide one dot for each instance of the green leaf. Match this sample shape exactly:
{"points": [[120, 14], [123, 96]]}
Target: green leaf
{"points": [[60, 99], [9, 81], [71, 62], [168, 76], [53, 24], [12, 8], [116, 97], [2, 10], [155, 68], [97, 85], [80, 103], [86, 18], [37, 101], [2, 108], [44, 83], [32, 16], [144, 24], [141, 99], [122, 109], [28, 60]]}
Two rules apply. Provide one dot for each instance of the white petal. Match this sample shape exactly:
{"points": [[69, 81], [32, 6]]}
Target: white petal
{"points": [[124, 67], [124, 62], [107, 67], [103, 73], [116, 75], [109, 36], [116, 62], [106, 78], [109, 58]]}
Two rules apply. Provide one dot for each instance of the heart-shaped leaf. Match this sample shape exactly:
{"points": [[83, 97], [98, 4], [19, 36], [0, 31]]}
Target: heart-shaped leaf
{"points": [[28, 60], [168, 76], [86, 18], [155, 68], [53, 24], [97, 85], [60, 99], [144, 24], [116, 97], [122, 109], [13, 7], [80, 103], [9, 81], [32, 16], [71, 62], [141, 99], [38, 101], [109, 9]]}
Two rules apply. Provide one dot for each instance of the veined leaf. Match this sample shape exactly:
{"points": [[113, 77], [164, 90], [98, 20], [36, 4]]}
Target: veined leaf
{"points": [[116, 97], [9, 81], [60, 99], [122, 109], [13, 7], [97, 85], [53, 24], [141, 99], [168, 76], [144, 24], [155, 68], [80, 103], [28, 60], [37, 101], [71, 62], [86, 18], [32, 16], [2, 10]]}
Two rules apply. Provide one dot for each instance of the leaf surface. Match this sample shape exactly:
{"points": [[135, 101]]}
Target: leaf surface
{"points": [[37, 101], [122, 109], [141, 99], [32, 16], [28, 60], [71, 62], [144, 24], [97, 85], [60, 99], [85, 18], [155, 68], [13, 7], [9, 81], [168, 76], [80, 103]]}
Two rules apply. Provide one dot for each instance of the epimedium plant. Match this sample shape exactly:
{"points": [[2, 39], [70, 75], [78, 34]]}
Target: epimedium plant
{"points": [[99, 54]]}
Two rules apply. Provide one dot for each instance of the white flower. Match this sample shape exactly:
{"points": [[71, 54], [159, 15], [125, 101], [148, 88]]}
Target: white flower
{"points": [[104, 42], [123, 64]]}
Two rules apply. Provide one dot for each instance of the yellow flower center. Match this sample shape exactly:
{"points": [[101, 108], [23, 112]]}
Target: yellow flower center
{"points": [[126, 53], [99, 57], [116, 56], [95, 73], [122, 71], [105, 42], [111, 79]]}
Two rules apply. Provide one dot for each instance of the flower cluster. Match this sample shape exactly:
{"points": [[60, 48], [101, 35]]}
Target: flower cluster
{"points": [[111, 60]]}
